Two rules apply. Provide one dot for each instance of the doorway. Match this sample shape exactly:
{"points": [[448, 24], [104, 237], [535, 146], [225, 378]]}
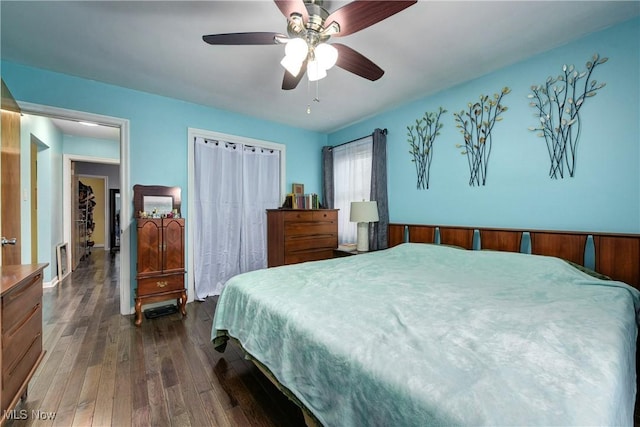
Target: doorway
{"points": [[126, 302]]}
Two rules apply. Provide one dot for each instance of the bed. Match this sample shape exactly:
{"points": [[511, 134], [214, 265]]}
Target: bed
{"points": [[425, 334]]}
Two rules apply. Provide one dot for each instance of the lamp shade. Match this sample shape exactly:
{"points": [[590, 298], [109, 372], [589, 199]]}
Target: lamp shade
{"points": [[364, 212], [297, 49], [326, 55], [292, 65], [315, 71]]}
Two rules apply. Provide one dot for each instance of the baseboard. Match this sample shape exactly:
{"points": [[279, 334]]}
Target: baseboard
{"points": [[52, 284]]}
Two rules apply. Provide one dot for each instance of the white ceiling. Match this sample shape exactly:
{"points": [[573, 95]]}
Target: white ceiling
{"points": [[157, 47], [78, 129]]}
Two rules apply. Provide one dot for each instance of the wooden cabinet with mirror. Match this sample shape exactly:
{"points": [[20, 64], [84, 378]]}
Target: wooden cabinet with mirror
{"points": [[161, 250]]}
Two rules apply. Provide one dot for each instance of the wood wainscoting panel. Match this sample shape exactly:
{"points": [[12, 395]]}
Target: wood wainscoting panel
{"points": [[619, 257], [422, 233], [457, 236], [395, 234], [568, 246], [500, 240]]}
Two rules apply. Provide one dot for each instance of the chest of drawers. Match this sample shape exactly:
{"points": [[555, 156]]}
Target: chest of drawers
{"points": [[295, 236], [21, 330]]}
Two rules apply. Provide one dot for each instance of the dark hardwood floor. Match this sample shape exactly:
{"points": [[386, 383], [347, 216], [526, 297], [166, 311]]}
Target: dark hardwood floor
{"points": [[100, 370]]}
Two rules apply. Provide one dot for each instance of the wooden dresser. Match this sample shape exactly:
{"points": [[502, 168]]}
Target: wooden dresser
{"points": [[295, 235], [21, 338], [161, 251]]}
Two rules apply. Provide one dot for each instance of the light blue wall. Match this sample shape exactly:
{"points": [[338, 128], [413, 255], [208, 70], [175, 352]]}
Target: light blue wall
{"points": [[50, 209], [93, 147], [604, 195]]}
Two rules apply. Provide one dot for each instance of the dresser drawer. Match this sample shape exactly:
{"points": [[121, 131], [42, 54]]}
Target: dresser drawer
{"points": [[317, 242], [159, 284], [331, 216], [16, 341], [14, 375], [308, 255], [296, 216], [302, 229], [19, 301]]}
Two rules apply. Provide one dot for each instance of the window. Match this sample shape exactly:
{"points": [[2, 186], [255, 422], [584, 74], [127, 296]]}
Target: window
{"points": [[352, 182]]}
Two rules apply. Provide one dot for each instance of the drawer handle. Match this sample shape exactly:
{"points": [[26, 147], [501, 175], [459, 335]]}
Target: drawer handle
{"points": [[162, 284], [16, 328], [11, 370], [24, 288]]}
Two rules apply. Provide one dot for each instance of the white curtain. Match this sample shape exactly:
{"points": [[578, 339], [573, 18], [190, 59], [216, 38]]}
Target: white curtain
{"points": [[260, 191], [233, 187], [352, 182]]}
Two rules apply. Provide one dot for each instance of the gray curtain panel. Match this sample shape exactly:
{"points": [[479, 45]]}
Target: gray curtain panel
{"points": [[378, 230], [327, 177]]}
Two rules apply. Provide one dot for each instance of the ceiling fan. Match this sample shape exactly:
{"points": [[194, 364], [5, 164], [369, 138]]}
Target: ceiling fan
{"points": [[309, 27]]}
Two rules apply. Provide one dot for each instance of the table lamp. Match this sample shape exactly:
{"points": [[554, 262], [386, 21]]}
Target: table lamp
{"points": [[363, 213]]}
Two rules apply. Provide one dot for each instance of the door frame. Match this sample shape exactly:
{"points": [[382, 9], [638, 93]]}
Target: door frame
{"points": [[105, 182], [126, 193]]}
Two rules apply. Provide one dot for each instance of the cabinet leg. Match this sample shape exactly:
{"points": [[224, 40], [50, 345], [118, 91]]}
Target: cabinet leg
{"points": [[138, 321], [182, 302], [25, 394]]}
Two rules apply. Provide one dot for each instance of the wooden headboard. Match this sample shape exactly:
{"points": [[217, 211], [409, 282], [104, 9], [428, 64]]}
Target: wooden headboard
{"points": [[612, 254]]}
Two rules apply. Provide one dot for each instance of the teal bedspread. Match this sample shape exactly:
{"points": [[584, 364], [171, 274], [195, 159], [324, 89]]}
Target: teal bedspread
{"points": [[421, 335]]}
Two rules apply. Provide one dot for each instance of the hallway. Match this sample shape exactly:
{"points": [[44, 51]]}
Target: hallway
{"points": [[100, 370]]}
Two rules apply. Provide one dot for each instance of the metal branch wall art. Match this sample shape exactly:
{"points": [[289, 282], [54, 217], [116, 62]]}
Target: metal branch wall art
{"points": [[421, 138], [557, 105], [476, 125]]}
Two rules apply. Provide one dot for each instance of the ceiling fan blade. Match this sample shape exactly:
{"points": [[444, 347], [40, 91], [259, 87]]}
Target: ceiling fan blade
{"points": [[361, 14], [243, 38], [356, 63], [289, 81], [287, 7]]}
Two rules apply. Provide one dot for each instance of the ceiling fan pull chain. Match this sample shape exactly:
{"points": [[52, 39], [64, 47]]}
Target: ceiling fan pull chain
{"points": [[308, 104], [317, 98]]}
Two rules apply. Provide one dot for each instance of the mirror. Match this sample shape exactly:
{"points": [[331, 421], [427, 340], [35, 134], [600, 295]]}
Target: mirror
{"points": [[114, 227]]}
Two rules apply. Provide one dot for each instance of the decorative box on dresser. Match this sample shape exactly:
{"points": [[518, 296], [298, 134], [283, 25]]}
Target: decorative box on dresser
{"points": [[299, 235], [21, 338], [160, 267]]}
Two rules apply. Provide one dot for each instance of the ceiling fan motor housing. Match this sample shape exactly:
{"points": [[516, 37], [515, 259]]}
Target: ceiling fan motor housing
{"points": [[313, 32]]}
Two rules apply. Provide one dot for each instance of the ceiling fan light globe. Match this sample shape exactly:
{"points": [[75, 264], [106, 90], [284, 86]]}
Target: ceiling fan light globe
{"points": [[315, 71], [292, 65], [297, 49], [326, 55]]}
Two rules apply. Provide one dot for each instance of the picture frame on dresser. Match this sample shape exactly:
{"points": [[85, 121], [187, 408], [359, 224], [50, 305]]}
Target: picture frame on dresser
{"points": [[297, 188], [63, 261]]}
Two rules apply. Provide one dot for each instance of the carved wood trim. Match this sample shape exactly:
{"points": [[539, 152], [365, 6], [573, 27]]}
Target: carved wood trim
{"points": [[139, 191]]}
